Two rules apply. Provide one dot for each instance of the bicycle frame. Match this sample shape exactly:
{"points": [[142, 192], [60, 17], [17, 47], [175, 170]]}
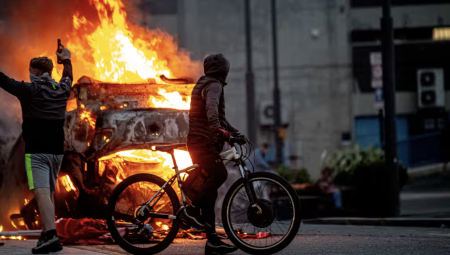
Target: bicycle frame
{"points": [[230, 156]]}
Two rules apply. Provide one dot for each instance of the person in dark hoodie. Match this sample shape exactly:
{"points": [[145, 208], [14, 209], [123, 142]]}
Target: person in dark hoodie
{"points": [[43, 102], [208, 131]]}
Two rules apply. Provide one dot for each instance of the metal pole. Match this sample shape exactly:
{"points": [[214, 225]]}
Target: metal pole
{"points": [[392, 192], [381, 120], [144, 13], [251, 122], [276, 90]]}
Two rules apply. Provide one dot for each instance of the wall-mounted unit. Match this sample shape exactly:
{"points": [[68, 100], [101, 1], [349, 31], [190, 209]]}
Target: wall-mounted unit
{"points": [[430, 88]]}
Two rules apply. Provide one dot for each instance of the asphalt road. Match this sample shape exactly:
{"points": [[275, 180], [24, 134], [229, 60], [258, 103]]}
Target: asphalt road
{"points": [[312, 239]]}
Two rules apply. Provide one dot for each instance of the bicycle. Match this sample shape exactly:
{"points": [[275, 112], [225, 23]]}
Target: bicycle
{"points": [[254, 218]]}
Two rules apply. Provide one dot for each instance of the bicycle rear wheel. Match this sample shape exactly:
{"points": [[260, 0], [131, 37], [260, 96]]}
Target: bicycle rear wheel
{"points": [[271, 223], [143, 234]]}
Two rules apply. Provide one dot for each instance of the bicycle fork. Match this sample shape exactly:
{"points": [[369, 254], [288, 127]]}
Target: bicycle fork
{"points": [[249, 188]]}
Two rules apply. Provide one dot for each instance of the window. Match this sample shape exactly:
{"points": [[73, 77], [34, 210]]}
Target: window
{"points": [[441, 33], [408, 59]]}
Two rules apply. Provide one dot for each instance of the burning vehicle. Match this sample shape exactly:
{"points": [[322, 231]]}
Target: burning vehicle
{"points": [[110, 130]]}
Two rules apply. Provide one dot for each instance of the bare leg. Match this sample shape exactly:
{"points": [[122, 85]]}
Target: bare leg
{"points": [[46, 208], [52, 195]]}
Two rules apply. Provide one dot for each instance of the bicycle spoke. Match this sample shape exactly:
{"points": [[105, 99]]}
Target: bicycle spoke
{"points": [[278, 226], [240, 211], [243, 199], [264, 187], [239, 207], [279, 222], [239, 215]]}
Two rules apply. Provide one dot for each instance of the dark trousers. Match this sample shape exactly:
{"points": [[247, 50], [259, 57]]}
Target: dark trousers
{"points": [[211, 162]]}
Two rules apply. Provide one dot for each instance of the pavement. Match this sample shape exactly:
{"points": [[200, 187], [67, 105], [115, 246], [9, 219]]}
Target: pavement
{"points": [[393, 222], [423, 203], [311, 240], [427, 198]]}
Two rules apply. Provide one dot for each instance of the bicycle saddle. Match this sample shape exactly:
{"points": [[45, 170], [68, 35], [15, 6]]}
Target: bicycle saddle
{"points": [[167, 148]]}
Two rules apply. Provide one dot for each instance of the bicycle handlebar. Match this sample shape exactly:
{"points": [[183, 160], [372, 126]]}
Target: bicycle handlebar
{"points": [[239, 139]]}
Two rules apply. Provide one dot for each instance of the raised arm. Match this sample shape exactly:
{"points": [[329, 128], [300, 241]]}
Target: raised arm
{"points": [[67, 75], [67, 71], [15, 88]]}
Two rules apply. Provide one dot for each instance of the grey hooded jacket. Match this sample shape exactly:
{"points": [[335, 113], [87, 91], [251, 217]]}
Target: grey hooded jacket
{"points": [[43, 104]]}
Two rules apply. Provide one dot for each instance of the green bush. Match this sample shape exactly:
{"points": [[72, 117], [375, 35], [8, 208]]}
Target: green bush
{"points": [[294, 176], [348, 164], [349, 159]]}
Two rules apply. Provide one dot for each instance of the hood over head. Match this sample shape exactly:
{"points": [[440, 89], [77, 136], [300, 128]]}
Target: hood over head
{"points": [[217, 66]]}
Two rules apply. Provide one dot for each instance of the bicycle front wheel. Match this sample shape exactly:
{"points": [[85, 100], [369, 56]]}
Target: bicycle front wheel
{"points": [[270, 224], [155, 229]]}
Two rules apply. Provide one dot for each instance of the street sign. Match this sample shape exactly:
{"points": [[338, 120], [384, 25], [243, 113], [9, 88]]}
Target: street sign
{"points": [[377, 83], [376, 62], [377, 72], [376, 58], [379, 100]]}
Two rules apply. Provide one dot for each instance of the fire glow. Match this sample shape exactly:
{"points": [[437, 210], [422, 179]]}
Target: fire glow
{"points": [[118, 55], [86, 116], [171, 100], [114, 50], [145, 156], [67, 182], [13, 237]]}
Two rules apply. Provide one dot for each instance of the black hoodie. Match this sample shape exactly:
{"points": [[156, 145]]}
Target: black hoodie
{"points": [[43, 104], [207, 112]]}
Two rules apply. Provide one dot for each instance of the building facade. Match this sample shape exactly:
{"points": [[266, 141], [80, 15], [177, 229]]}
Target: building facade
{"points": [[325, 68]]}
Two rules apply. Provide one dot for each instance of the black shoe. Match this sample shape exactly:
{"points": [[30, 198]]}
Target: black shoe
{"points": [[49, 245], [214, 246], [42, 239], [191, 216]]}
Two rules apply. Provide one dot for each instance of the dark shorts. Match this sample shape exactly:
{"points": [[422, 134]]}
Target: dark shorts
{"points": [[42, 170]]}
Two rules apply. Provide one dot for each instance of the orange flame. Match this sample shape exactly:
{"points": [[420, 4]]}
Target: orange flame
{"points": [[86, 116], [119, 51], [67, 182], [147, 156], [116, 51], [171, 100], [13, 237], [104, 44]]}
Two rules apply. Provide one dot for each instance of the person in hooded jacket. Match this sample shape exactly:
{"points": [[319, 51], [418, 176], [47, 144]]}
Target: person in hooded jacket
{"points": [[43, 103], [208, 131]]}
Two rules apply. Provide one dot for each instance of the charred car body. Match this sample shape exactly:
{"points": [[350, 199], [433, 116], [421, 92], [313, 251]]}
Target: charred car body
{"points": [[106, 124]]}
